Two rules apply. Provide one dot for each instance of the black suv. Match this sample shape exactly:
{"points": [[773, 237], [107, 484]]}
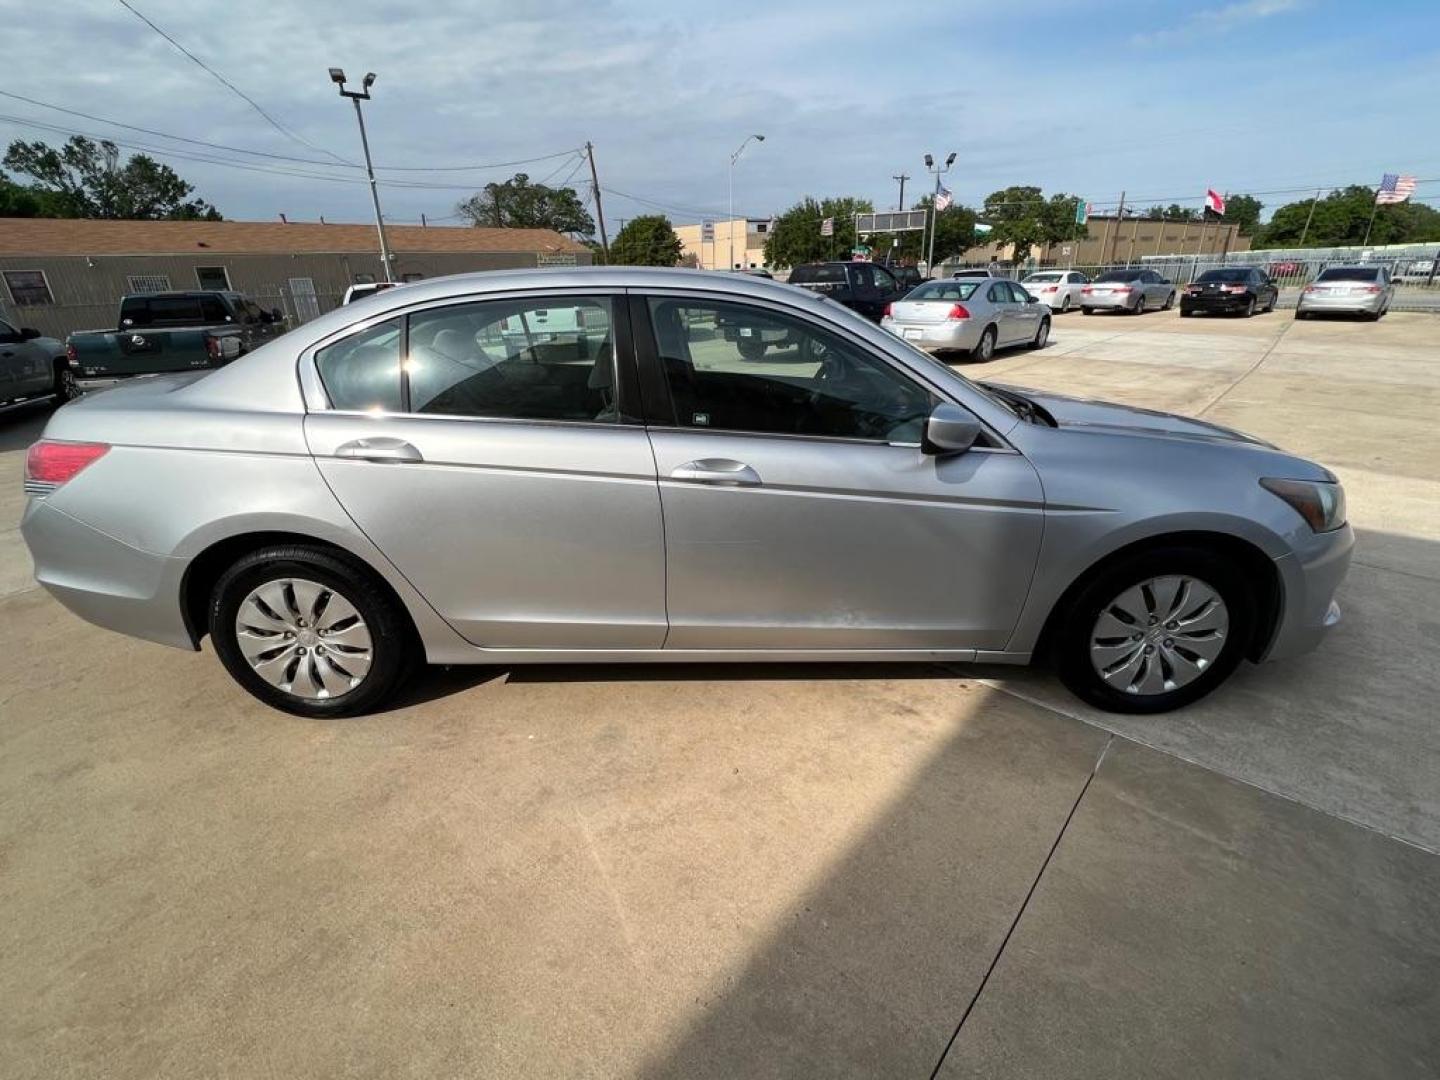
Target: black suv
{"points": [[861, 286], [1240, 290]]}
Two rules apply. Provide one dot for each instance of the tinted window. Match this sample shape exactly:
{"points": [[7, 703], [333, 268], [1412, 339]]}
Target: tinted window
{"points": [[362, 372], [1119, 275], [530, 359], [737, 368], [999, 293], [171, 311], [864, 275], [884, 279], [833, 272], [1349, 273], [1223, 275], [1075, 279], [944, 290]]}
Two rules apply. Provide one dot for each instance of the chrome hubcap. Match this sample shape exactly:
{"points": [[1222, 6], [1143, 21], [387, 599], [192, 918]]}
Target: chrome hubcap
{"points": [[304, 638], [1159, 635]]}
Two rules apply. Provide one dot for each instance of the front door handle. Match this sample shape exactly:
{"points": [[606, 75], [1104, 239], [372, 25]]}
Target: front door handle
{"points": [[380, 449], [720, 471]]}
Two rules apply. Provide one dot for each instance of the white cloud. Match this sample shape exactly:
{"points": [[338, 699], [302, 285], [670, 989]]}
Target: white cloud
{"points": [[1216, 20]]}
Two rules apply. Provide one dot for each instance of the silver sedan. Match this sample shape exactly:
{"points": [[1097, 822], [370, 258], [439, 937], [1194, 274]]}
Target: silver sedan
{"points": [[974, 316], [1354, 290], [1130, 291], [425, 477]]}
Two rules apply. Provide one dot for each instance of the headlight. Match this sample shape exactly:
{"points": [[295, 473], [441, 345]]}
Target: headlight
{"points": [[1321, 504]]}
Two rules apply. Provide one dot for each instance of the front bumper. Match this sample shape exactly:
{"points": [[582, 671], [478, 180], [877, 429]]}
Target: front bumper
{"points": [[952, 334], [1309, 579], [1365, 302], [103, 580]]}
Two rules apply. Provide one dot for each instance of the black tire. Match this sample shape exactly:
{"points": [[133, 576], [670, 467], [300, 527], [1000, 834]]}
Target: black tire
{"points": [[1169, 302], [1042, 335], [1301, 314], [66, 388], [1086, 310], [1139, 308], [1186, 313], [1249, 308], [751, 348], [1065, 304], [1071, 641], [985, 350], [1274, 299], [394, 645]]}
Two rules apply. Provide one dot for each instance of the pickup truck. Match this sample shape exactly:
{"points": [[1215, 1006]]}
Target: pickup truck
{"points": [[168, 332], [32, 367]]}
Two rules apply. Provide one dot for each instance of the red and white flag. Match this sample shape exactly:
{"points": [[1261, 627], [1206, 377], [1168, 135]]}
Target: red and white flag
{"points": [[1214, 201]]}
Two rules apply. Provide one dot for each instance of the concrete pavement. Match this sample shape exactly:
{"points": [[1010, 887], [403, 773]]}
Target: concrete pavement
{"points": [[763, 872]]}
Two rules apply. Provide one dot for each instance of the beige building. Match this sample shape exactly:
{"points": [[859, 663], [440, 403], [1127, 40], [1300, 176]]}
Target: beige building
{"points": [[61, 275], [749, 235], [1102, 241]]}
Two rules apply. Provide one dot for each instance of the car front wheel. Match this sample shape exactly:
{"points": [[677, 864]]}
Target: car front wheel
{"points": [[310, 633], [1155, 631]]}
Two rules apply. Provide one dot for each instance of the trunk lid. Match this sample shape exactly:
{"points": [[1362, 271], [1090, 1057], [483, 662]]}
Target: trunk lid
{"points": [[921, 311]]}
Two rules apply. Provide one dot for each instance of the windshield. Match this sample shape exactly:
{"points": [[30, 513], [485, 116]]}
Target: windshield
{"points": [[1224, 275], [1118, 275], [943, 290], [1043, 277], [1349, 273]]}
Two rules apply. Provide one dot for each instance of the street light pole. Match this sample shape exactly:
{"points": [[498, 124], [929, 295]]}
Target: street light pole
{"points": [[938, 170], [337, 76], [730, 225]]}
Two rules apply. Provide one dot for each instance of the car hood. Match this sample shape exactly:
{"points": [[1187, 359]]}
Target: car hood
{"points": [[1082, 413]]}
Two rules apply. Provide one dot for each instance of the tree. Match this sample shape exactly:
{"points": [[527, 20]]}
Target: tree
{"points": [[1021, 216], [85, 179], [954, 233], [648, 240], [1341, 217], [1244, 210], [1173, 212], [796, 238], [519, 204]]}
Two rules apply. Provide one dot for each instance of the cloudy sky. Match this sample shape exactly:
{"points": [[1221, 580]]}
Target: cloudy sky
{"points": [[1245, 95]]}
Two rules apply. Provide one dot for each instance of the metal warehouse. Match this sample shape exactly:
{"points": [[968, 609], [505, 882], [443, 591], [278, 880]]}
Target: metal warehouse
{"points": [[62, 275]]}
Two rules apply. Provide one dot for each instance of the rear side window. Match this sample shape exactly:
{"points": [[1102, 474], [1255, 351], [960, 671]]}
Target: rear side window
{"points": [[172, 311], [823, 272], [361, 373]]}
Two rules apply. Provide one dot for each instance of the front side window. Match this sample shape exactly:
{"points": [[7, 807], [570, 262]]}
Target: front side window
{"points": [[1018, 294], [884, 279], [999, 293], [737, 368], [362, 372], [547, 358]]}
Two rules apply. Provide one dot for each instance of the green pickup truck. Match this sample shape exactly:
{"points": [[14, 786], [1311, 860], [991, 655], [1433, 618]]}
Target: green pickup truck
{"points": [[161, 333]]}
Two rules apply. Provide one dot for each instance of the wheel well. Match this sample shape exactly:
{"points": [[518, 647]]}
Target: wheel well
{"points": [[1258, 567], [205, 570]]}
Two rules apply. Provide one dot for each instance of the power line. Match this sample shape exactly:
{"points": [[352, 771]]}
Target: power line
{"points": [[232, 87]]}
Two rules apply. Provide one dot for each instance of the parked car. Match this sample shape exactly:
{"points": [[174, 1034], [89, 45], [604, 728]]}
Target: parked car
{"points": [[1355, 290], [1419, 272], [974, 316], [860, 286], [331, 510], [171, 331], [977, 272], [364, 289], [32, 366], [1130, 291], [1060, 289], [1234, 290]]}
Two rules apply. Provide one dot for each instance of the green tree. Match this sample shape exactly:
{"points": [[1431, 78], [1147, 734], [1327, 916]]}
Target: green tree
{"points": [[796, 238], [519, 204], [1022, 216], [86, 179], [648, 240], [1341, 217], [1244, 210], [1173, 212]]}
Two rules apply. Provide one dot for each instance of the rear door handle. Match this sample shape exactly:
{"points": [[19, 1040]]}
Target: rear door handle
{"points": [[722, 472], [380, 449]]}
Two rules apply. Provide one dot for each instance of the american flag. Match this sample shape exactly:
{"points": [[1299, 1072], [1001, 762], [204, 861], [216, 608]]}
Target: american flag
{"points": [[1395, 188], [943, 199]]}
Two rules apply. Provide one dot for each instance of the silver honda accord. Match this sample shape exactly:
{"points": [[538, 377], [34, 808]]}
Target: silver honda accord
{"points": [[589, 466]]}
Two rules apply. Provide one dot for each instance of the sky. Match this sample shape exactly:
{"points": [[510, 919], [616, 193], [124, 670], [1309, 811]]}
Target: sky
{"points": [[1241, 96]]}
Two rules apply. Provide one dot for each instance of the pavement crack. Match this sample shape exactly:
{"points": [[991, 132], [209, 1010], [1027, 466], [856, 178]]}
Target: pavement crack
{"points": [[1015, 922], [1284, 329]]}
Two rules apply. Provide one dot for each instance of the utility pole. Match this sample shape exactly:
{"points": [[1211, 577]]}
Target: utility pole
{"points": [[337, 76], [902, 178], [599, 210], [1309, 218], [938, 170], [1119, 223], [730, 225]]}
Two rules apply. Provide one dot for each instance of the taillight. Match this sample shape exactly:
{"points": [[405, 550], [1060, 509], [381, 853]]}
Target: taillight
{"points": [[212, 347], [889, 310], [1311, 288], [1119, 288], [1193, 289], [1048, 288], [71, 356], [957, 311], [50, 464], [1372, 288], [1086, 289]]}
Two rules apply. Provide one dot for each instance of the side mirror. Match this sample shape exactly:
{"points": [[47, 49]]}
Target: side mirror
{"points": [[949, 430], [28, 333], [275, 314]]}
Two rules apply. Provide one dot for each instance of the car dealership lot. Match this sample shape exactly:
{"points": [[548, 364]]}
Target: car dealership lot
{"points": [[761, 871]]}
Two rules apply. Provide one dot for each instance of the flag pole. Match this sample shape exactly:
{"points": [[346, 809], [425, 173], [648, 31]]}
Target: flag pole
{"points": [[1309, 218], [1374, 209]]}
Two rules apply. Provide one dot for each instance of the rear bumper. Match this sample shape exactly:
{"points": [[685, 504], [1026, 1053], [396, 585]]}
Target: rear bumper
{"points": [[953, 334], [103, 580], [1310, 578]]}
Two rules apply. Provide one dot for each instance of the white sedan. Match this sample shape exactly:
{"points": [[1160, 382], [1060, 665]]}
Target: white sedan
{"points": [[1058, 288]]}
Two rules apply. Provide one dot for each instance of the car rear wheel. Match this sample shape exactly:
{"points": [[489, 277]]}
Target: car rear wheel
{"points": [[1139, 308], [1155, 631], [1087, 310], [1274, 299], [1042, 335], [66, 387], [310, 633], [1169, 302], [1065, 304], [986, 347]]}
